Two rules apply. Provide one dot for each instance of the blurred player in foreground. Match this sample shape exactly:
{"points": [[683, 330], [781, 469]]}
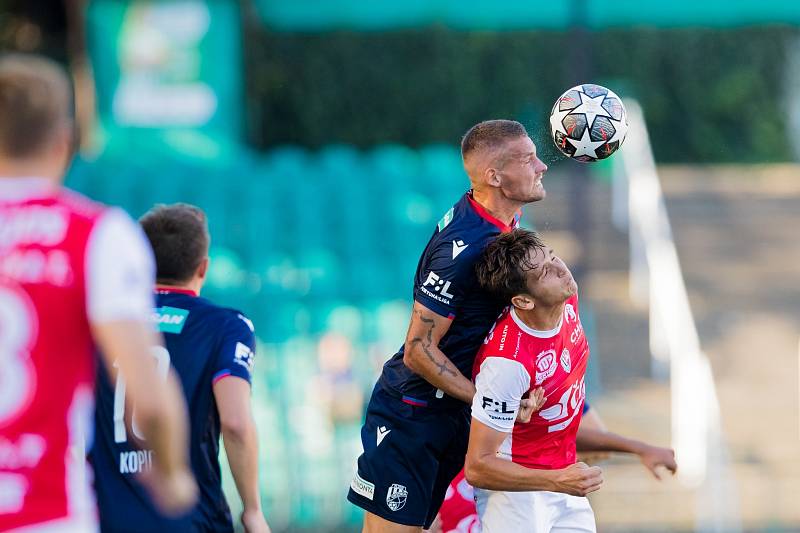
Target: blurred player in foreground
{"points": [[417, 422], [459, 515], [537, 342], [212, 349], [72, 273]]}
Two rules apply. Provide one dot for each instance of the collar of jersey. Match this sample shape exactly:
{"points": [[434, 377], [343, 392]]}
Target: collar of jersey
{"points": [[27, 188], [163, 289], [535, 332], [484, 214]]}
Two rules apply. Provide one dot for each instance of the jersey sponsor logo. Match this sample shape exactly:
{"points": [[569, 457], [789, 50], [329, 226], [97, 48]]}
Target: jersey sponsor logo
{"points": [[568, 406], [545, 365], [135, 462], [170, 319], [503, 337], [519, 342], [382, 433], [577, 333], [441, 286], [566, 363], [26, 452], [570, 314], [243, 356], [396, 497], [458, 247], [446, 219], [45, 226], [13, 488], [362, 487], [497, 410], [38, 266]]}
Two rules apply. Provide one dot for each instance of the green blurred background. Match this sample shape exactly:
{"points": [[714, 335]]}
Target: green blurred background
{"points": [[321, 137]]}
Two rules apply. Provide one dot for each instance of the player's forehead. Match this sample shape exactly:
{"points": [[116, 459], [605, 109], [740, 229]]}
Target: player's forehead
{"points": [[520, 147], [540, 256]]}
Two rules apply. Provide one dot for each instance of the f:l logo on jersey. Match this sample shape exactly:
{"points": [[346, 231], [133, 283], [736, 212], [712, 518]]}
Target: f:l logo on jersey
{"points": [[439, 285]]}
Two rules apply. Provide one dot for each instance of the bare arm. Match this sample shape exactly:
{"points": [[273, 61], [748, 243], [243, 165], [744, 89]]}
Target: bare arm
{"points": [[423, 356], [241, 445], [160, 408], [590, 440], [485, 470]]}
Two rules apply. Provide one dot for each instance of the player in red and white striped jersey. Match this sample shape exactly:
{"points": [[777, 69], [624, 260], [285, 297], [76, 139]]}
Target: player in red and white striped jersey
{"points": [[73, 274]]}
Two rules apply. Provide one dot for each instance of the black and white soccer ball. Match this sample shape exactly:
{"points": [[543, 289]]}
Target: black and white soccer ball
{"points": [[588, 123]]}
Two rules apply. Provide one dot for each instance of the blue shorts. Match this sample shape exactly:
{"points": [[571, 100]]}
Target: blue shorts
{"points": [[411, 454]]}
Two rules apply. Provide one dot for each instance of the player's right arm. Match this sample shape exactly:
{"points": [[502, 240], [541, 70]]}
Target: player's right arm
{"points": [[423, 356], [484, 469], [232, 392], [500, 384], [119, 300]]}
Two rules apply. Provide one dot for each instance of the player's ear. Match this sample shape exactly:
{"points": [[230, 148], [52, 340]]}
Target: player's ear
{"points": [[491, 177], [523, 301], [202, 269]]}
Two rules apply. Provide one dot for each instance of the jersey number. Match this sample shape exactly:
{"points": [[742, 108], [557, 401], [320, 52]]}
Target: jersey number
{"points": [[18, 325], [161, 356]]}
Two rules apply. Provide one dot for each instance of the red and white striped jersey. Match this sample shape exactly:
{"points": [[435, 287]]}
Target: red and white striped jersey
{"points": [[514, 361], [65, 262]]}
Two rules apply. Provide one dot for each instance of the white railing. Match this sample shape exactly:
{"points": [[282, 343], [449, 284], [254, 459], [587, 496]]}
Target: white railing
{"points": [[656, 280]]}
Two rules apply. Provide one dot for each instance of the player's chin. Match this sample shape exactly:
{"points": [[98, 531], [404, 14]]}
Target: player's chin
{"points": [[571, 288]]}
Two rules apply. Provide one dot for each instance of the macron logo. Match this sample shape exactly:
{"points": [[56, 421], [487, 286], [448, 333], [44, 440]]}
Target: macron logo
{"points": [[382, 432], [458, 247]]}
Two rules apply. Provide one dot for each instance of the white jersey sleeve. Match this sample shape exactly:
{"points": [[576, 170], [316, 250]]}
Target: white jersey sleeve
{"points": [[499, 385], [120, 271]]}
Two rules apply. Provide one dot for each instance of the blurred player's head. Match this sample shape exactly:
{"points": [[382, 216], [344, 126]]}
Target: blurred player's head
{"points": [[37, 128], [499, 155], [518, 267], [179, 236]]}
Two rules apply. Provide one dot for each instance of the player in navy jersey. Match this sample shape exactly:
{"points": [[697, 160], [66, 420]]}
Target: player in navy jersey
{"points": [[417, 421], [211, 349]]}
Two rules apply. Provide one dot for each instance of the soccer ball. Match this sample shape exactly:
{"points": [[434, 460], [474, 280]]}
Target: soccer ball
{"points": [[588, 123]]}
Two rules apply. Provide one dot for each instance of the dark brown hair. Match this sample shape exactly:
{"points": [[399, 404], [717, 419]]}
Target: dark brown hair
{"points": [[179, 236], [35, 101], [490, 134], [502, 268]]}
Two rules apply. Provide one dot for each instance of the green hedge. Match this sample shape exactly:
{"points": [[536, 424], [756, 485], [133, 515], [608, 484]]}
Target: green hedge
{"points": [[709, 95]]}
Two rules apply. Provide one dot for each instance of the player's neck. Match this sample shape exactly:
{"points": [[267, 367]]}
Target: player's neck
{"points": [[192, 286], [497, 205], [541, 318]]}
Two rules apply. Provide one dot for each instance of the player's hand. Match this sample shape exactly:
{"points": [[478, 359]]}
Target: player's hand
{"points": [[254, 521], [653, 457], [528, 406], [173, 493], [579, 479]]}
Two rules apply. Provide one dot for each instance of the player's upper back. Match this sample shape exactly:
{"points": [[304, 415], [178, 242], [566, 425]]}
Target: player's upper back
{"points": [[206, 342], [445, 282]]}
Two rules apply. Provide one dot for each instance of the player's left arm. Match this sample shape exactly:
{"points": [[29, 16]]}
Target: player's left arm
{"points": [[232, 392], [600, 440]]}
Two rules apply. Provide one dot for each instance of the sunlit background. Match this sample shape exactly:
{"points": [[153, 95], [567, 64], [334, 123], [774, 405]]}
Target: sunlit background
{"points": [[321, 137]]}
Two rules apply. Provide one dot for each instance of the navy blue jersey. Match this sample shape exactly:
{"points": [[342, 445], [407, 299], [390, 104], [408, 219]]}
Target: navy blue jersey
{"points": [[446, 283], [203, 343]]}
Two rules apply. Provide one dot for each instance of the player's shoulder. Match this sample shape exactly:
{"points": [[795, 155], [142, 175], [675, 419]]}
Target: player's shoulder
{"points": [[461, 234], [504, 338], [226, 317], [81, 206]]}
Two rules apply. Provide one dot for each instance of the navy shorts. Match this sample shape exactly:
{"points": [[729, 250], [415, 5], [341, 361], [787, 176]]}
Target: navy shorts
{"points": [[411, 454]]}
